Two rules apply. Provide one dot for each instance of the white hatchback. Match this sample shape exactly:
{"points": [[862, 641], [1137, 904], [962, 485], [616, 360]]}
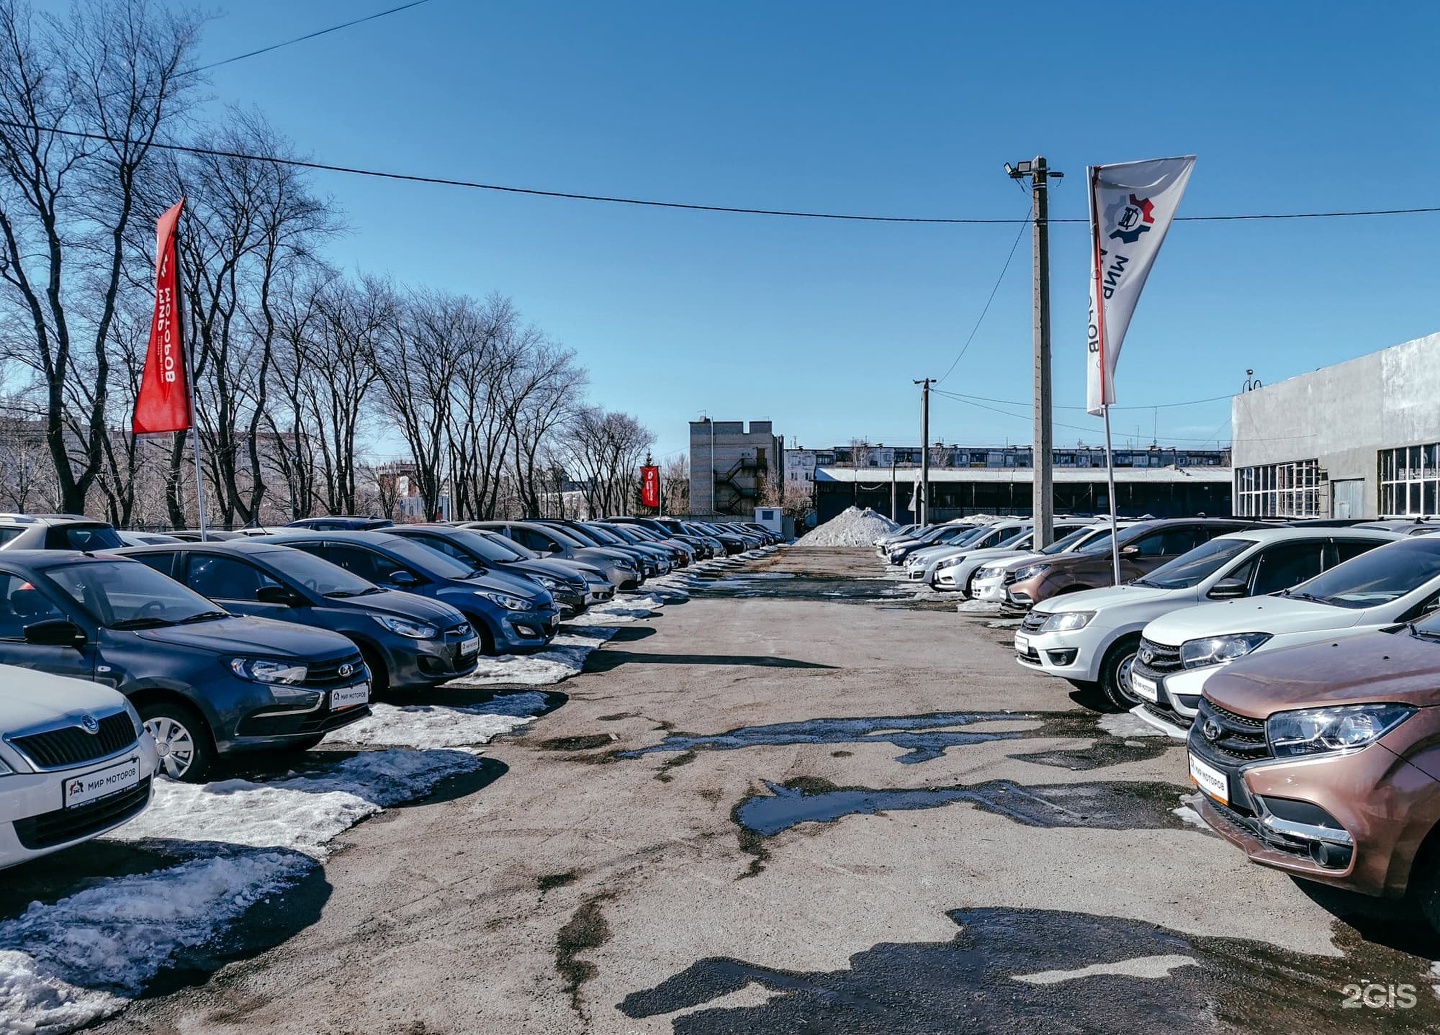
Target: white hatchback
{"points": [[75, 761], [989, 581]]}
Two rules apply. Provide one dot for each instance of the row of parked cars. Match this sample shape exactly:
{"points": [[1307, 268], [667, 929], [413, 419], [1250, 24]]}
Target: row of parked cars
{"points": [[121, 662], [1300, 663]]}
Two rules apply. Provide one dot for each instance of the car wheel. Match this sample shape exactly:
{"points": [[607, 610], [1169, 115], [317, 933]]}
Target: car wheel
{"points": [[379, 675], [186, 749], [1115, 673], [1424, 887]]}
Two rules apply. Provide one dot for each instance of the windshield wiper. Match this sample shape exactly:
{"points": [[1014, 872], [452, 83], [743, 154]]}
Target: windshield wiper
{"points": [[344, 594], [204, 616], [1305, 596], [150, 622]]}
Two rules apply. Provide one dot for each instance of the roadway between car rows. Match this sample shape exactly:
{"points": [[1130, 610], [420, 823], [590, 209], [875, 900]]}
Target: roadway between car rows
{"points": [[816, 802]]}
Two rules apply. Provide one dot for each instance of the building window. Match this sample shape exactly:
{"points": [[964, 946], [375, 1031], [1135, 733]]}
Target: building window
{"points": [[1279, 490], [1410, 480]]}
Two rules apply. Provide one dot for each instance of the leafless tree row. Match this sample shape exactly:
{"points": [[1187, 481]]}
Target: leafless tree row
{"points": [[305, 376]]}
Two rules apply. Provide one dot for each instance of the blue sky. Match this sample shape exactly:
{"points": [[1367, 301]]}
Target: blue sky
{"points": [[904, 109]]}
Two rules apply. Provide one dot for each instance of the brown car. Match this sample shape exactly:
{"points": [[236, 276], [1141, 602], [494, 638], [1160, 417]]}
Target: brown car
{"points": [[1143, 548], [1323, 760]]}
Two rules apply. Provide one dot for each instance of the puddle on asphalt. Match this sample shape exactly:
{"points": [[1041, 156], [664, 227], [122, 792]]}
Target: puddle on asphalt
{"points": [[1113, 806], [1061, 972], [924, 738]]}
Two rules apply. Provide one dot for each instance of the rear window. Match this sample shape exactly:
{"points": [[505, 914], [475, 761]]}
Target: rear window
{"points": [[7, 534], [83, 537]]}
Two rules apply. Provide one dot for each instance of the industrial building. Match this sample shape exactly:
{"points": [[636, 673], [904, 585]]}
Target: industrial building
{"points": [[731, 466], [1360, 439]]}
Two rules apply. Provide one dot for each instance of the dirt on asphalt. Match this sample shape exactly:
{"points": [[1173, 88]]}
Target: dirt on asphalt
{"points": [[816, 803]]}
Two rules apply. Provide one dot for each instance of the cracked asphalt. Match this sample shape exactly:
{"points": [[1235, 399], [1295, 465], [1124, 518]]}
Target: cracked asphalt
{"points": [[809, 804]]}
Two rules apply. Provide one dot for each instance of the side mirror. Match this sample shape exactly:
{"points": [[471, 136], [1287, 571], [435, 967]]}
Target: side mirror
{"points": [[56, 632], [1129, 551], [1229, 589], [555, 548], [281, 595], [403, 579]]}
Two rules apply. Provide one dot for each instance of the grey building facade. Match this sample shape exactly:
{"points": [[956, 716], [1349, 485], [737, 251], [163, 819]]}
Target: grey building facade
{"points": [[1360, 439], [731, 465]]}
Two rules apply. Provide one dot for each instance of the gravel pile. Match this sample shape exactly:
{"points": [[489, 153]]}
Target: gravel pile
{"points": [[853, 527]]}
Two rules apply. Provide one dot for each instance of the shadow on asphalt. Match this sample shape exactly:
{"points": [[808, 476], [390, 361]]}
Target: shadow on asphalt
{"points": [[632, 633], [606, 660]]}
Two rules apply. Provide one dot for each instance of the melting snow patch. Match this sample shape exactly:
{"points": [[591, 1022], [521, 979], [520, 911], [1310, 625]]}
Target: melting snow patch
{"points": [[978, 607], [852, 527], [69, 964], [1139, 967], [565, 657], [427, 726], [1190, 816], [1127, 725]]}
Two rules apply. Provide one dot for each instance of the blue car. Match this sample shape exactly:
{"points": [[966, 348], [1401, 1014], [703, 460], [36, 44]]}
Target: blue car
{"points": [[512, 614]]}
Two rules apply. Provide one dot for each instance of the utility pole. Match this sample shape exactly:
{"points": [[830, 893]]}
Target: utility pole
{"points": [[1043, 493], [924, 495]]}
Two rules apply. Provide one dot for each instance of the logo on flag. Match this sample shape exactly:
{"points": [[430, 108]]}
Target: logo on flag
{"points": [[650, 486], [163, 402], [1131, 208]]}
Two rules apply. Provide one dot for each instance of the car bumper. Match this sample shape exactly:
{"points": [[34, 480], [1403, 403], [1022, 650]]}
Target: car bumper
{"points": [[1375, 826], [34, 820], [527, 630], [269, 727], [432, 662], [1177, 692], [1056, 654], [992, 591]]}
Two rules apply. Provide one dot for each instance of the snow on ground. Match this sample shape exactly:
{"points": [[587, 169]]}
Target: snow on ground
{"points": [[70, 963], [1127, 725], [563, 658], [978, 607], [303, 812], [852, 527]]}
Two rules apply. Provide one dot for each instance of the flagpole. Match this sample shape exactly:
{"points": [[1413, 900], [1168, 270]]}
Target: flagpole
{"points": [[1110, 474], [185, 350]]}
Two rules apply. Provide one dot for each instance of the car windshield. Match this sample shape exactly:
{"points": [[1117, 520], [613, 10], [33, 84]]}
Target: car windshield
{"points": [[1375, 577], [517, 551], [478, 545], [1020, 538], [1065, 544], [1192, 568], [427, 559], [318, 576], [625, 535], [603, 535], [574, 542], [123, 594]]}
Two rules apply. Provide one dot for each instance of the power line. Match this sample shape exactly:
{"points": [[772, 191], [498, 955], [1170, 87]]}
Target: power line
{"points": [[981, 318], [1072, 427], [300, 39], [443, 181], [1153, 406]]}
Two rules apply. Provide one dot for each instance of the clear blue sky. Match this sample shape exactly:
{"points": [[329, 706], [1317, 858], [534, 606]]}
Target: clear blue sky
{"points": [[906, 109]]}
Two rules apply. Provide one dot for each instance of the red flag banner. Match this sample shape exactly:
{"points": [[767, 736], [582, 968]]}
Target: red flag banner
{"points": [[650, 486], [163, 403]]}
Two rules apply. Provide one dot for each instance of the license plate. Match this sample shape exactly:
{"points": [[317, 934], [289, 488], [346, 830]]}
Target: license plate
{"points": [[101, 783], [1210, 780], [470, 646], [349, 696], [1022, 643], [1146, 688]]}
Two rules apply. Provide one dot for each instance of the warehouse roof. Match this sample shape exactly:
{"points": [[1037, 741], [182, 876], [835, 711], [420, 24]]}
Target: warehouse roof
{"points": [[1025, 475]]}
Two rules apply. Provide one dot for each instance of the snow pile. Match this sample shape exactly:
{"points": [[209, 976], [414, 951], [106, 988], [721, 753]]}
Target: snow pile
{"points": [[854, 527], [69, 964], [563, 658], [303, 812]]}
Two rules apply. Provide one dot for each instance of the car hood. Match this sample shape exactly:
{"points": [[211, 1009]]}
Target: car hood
{"points": [[1274, 615], [30, 698], [562, 572], [1112, 599], [1019, 560], [1367, 667], [408, 605], [259, 636], [602, 554], [515, 584]]}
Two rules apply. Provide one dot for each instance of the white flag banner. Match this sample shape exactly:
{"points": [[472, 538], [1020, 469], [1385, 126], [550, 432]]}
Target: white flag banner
{"points": [[1131, 206]]}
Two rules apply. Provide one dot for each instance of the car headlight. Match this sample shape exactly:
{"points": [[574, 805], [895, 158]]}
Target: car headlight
{"points": [[505, 600], [1217, 650], [547, 582], [273, 672], [1314, 731], [1067, 621], [135, 718], [1030, 571], [404, 627], [625, 565], [950, 562], [990, 573], [593, 580]]}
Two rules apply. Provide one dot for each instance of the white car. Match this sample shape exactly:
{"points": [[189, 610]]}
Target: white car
{"points": [[989, 581], [952, 570], [920, 565], [900, 533], [937, 535], [1399, 582], [75, 761], [1091, 638]]}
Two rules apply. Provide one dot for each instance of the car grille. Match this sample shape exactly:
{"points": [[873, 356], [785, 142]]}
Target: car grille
{"points": [[1033, 621], [326, 674], [72, 745], [1240, 738], [55, 828], [1159, 657], [1167, 714], [458, 633]]}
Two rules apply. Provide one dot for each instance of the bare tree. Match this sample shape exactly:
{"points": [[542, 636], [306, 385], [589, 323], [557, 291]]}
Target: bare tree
{"points": [[605, 450], [110, 70]]}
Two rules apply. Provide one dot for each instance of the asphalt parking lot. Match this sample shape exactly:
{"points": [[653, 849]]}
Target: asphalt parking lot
{"points": [[801, 798]]}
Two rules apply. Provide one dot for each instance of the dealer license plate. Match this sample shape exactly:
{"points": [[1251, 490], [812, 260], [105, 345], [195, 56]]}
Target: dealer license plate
{"points": [[101, 783], [1210, 780], [1146, 688], [349, 696], [1022, 643], [470, 646]]}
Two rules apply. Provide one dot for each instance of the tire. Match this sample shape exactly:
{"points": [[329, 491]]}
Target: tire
{"points": [[379, 674], [1424, 887], [1115, 673], [187, 750]]}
